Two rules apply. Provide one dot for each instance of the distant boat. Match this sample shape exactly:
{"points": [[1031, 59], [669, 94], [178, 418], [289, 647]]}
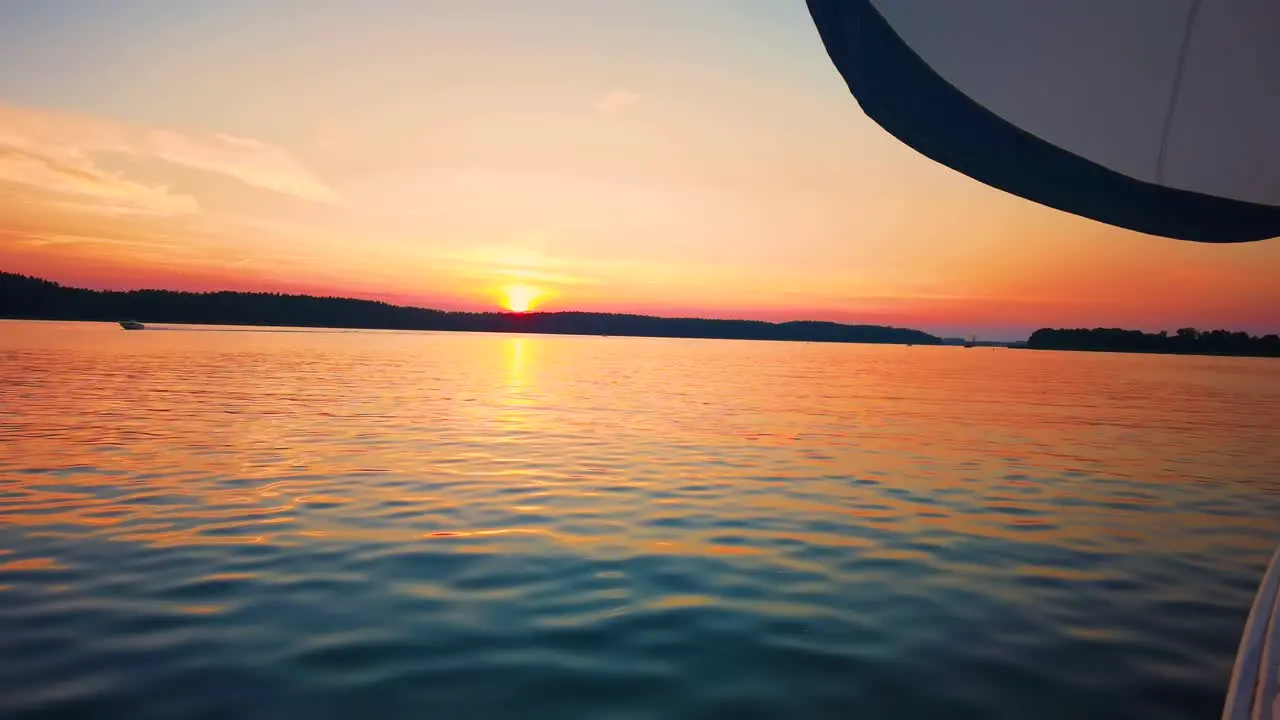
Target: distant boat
{"points": [[132, 325], [971, 341]]}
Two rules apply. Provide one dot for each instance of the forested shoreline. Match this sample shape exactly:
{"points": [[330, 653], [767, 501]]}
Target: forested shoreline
{"points": [[23, 297], [1185, 341]]}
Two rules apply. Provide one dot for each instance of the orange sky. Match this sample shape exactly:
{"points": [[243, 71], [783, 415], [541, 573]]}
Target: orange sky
{"points": [[667, 157]]}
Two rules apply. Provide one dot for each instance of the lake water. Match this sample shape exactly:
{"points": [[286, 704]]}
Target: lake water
{"points": [[243, 524]]}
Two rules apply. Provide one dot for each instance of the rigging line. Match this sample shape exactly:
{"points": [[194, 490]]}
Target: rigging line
{"points": [[1176, 93]]}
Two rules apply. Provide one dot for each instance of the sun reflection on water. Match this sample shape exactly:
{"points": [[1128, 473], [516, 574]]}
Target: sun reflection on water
{"points": [[584, 481]]}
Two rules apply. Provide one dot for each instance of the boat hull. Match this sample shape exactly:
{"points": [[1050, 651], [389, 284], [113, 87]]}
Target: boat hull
{"points": [[1254, 692]]}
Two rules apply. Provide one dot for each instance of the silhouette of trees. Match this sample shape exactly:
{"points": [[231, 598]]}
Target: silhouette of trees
{"points": [[36, 299], [1186, 341]]}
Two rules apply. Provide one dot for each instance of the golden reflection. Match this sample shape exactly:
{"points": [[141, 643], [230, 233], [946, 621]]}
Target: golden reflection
{"points": [[31, 564], [673, 602], [194, 438], [515, 349], [201, 609], [518, 397], [230, 576], [485, 533]]}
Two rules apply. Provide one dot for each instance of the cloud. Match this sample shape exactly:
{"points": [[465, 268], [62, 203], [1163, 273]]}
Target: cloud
{"points": [[70, 173], [511, 261], [54, 151], [616, 101], [250, 161], [43, 240]]}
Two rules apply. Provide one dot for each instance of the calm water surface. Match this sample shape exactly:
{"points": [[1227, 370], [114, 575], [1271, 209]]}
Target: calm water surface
{"points": [[199, 523]]}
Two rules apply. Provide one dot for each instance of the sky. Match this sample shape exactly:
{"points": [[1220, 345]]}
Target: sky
{"points": [[665, 157]]}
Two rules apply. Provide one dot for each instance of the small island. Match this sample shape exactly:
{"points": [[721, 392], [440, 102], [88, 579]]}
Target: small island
{"points": [[1186, 341], [28, 298]]}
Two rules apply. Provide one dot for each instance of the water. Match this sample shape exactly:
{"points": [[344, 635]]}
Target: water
{"points": [[230, 524]]}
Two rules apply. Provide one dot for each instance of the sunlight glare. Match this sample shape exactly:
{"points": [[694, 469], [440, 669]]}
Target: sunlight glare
{"points": [[520, 298]]}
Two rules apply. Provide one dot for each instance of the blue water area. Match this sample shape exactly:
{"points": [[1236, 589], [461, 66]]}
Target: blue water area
{"points": [[342, 525]]}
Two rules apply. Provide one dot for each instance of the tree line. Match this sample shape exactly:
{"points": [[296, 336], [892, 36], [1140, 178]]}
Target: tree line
{"points": [[1186, 341], [23, 297]]}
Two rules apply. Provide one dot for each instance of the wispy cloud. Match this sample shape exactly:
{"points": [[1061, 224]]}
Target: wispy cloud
{"points": [[45, 240], [69, 173], [512, 261], [55, 151], [616, 101]]}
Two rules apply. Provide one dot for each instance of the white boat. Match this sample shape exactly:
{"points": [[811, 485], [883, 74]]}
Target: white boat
{"points": [[1254, 692]]}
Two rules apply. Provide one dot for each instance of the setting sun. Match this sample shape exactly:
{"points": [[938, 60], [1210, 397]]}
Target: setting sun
{"points": [[520, 298]]}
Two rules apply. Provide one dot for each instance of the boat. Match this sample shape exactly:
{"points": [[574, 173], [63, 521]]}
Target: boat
{"points": [[973, 91], [132, 325], [1168, 129], [1254, 691], [971, 341]]}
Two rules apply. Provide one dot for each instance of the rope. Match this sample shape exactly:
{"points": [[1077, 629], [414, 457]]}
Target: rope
{"points": [[1176, 93]]}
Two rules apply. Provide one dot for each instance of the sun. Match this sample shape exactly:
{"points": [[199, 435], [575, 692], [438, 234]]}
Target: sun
{"points": [[520, 298]]}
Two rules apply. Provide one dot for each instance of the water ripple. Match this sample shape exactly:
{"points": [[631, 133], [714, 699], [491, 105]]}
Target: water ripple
{"points": [[397, 525]]}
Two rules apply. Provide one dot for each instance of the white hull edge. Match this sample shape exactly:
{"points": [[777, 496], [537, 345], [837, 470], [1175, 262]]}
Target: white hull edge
{"points": [[1254, 692]]}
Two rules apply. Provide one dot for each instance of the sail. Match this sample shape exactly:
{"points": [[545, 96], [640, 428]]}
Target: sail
{"points": [[1160, 116]]}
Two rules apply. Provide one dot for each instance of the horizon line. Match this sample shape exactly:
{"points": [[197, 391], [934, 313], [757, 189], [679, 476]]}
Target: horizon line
{"points": [[508, 313], [531, 313]]}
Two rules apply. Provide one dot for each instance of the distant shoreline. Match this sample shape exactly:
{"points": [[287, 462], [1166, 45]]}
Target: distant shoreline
{"points": [[180, 326], [1186, 341], [1138, 352], [28, 298]]}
